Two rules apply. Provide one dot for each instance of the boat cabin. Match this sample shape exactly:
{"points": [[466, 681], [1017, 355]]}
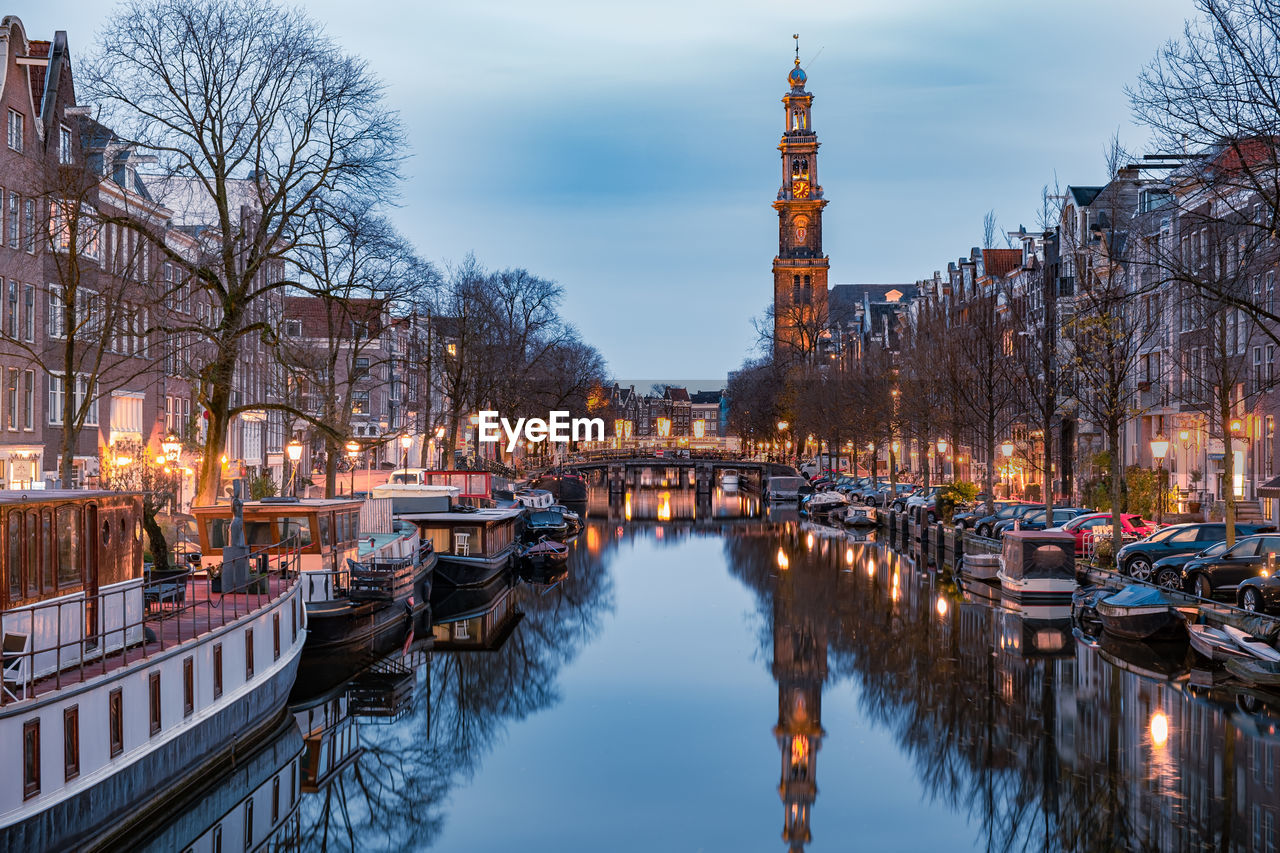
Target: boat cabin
{"points": [[77, 550], [327, 531], [1039, 554], [483, 533]]}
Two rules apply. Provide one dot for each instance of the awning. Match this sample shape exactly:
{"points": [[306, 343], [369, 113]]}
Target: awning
{"points": [[1270, 489]]}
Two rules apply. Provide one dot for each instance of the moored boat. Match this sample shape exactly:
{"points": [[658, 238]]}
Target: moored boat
{"points": [[1038, 566], [1246, 642], [534, 498], [118, 687], [1136, 612], [471, 545], [1252, 670], [545, 553], [546, 523], [860, 516], [983, 567], [822, 504], [729, 479], [1214, 644]]}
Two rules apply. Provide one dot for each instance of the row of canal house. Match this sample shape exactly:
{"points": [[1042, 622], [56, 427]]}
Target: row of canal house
{"points": [[134, 386], [1156, 238]]}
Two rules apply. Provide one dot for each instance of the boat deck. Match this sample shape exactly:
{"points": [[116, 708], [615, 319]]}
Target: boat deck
{"points": [[175, 614]]}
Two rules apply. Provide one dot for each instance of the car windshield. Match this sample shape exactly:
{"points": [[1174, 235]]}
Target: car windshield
{"points": [[1166, 534], [1215, 549]]}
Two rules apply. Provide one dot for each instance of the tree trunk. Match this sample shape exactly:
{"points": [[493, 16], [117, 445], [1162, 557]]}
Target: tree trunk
{"points": [[330, 466], [1113, 441], [155, 536]]}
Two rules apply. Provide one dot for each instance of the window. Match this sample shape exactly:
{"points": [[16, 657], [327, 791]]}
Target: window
{"points": [[71, 742], [16, 122], [248, 824], [154, 682], [29, 226], [293, 328], [248, 654], [188, 686], [361, 368], [15, 203], [11, 416], [359, 402], [64, 145], [30, 758], [11, 320], [29, 400], [68, 546], [115, 721], [275, 634], [54, 406], [217, 670], [28, 313]]}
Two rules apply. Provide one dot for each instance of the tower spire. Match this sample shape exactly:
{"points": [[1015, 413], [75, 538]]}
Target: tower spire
{"points": [[796, 36]]}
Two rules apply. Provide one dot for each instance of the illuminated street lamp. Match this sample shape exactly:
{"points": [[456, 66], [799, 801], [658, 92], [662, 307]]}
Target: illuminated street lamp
{"points": [[353, 452], [942, 462], [1159, 448], [1007, 450], [406, 442], [294, 450]]}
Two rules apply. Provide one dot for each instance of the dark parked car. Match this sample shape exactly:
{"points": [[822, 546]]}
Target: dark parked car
{"points": [[1035, 520], [1246, 559], [986, 526], [1167, 572], [970, 517], [1137, 558], [1261, 594]]}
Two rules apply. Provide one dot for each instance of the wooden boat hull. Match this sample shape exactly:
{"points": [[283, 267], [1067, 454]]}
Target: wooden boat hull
{"points": [[1037, 590], [1213, 644], [1254, 671], [1251, 645], [982, 567], [1136, 623]]}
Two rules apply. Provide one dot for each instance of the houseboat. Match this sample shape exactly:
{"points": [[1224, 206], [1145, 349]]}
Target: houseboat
{"points": [[358, 585], [472, 545], [119, 689], [1038, 566]]}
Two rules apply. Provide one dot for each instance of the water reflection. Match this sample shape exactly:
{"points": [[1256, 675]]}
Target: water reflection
{"points": [[1041, 740], [1011, 726]]}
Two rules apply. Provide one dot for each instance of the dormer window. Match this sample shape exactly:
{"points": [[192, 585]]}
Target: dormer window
{"points": [[64, 145]]}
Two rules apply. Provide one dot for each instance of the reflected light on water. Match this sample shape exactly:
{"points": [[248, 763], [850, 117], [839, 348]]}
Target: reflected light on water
{"points": [[1159, 729], [941, 606], [808, 541], [783, 562], [848, 556], [664, 507], [626, 507], [896, 590]]}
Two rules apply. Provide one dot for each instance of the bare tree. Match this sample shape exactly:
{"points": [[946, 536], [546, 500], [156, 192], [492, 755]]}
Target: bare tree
{"points": [[253, 113]]}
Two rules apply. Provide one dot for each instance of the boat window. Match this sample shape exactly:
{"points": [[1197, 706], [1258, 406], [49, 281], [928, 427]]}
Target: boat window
{"points": [[106, 533], [439, 537], [355, 524], [68, 546], [296, 525], [14, 565], [341, 522], [326, 530], [29, 564], [47, 551]]}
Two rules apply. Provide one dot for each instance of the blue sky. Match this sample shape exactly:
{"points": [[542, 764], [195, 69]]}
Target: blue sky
{"points": [[628, 150]]}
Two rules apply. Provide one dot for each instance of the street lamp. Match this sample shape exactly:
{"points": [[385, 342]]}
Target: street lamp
{"points": [[353, 453], [406, 442], [942, 461], [1159, 447], [294, 450], [172, 448], [1007, 450]]}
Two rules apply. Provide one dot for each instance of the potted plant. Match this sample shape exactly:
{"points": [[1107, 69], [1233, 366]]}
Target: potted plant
{"points": [[1196, 475]]}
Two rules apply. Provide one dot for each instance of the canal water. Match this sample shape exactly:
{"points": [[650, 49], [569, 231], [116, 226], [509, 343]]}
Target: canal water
{"points": [[720, 677]]}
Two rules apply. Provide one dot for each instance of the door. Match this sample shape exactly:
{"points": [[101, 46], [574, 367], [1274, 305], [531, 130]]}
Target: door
{"points": [[1237, 564]]}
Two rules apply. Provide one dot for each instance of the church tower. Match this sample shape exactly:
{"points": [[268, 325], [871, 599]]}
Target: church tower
{"points": [[800, 269]]}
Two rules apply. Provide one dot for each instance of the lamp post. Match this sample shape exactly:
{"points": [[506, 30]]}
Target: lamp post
{"points": [[1159, 447], [172, 448], [1006, 450], [353, 453], [942, 461], [294, 450], [406, 442]]}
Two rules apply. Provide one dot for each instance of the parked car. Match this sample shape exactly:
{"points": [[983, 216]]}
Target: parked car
{"points": [[1167, 571], [1261, 593], [970, 517], [1097, 525], [1137, 559], [1035, 520], [885, 495], [1206, 576]]}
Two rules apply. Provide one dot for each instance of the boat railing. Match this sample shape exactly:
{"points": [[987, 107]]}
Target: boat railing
{"points": [[375, 579], [78, 637]]}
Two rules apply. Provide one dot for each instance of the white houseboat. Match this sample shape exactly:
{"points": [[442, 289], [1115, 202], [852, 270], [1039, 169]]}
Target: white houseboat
{"points": [[117, 688]]}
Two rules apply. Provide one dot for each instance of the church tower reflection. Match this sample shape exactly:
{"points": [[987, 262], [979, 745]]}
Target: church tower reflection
{"points": [[800, 668]]}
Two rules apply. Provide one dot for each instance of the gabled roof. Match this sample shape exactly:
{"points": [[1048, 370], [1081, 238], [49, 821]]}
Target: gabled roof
{"points": [[707, 397], [998, 263], [846, 301], [1084, 196], [677, 395]]}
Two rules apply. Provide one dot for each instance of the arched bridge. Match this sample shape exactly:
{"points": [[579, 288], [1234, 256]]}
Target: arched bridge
{"points": [[621, 469]]}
